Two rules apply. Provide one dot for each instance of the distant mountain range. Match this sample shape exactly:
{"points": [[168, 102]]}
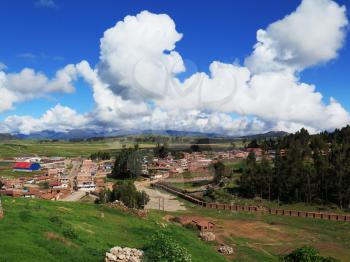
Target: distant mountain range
{"points": [[84, 134], [271, 134], [6, 137]]}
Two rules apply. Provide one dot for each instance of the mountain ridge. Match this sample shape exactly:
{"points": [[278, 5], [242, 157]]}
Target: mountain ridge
{"points": [[86, 134]]}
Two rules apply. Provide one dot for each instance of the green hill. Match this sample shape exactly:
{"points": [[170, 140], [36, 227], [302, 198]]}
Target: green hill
{"points": [[37, 230]]}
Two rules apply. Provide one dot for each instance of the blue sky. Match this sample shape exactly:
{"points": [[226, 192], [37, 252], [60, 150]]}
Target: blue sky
{"points": [[46, 38]]}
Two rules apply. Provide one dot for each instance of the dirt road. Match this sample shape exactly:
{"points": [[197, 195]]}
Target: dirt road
{"points": [[75, 196], [160, 200]]}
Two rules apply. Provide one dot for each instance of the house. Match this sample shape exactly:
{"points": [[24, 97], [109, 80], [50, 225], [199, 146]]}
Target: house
{"points": [[57, 185], [26, 166], [201, 223], [258, 152], [13, 183], [199, 165]]}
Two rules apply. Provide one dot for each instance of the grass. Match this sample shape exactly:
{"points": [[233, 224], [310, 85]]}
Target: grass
{"points": [[15, 148], [59, 148], [36, 230], [16, 174], [263, 237], [29, 232]]}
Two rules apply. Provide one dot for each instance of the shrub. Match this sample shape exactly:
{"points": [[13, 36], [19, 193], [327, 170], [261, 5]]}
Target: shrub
{"points": [[163, 248], [70, 233], [56, 220], [306, 254], [126, 192], [191, 226], [25, 215]]}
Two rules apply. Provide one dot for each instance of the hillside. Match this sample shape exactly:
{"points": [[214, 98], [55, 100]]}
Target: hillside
{"points": [[4, 137], [33, 230]]}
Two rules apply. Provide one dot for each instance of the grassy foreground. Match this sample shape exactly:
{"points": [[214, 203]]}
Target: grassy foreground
{"points": [[34, 230]]}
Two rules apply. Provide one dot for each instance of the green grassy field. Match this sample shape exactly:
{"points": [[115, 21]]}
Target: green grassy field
{"points": [[33, 230], [16, 148], [60, 148]]}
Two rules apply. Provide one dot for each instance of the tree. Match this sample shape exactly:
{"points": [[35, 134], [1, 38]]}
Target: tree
{"points": [[128, 164], [195, 148], [247, 181], [233, 145], [104, 196], [306, 168], [307, 254], [161, 151], [266, 176], [253, 144], [164, 248], [100, 156], [126, 192], [44, 185], [244, 141], [219, 171]]}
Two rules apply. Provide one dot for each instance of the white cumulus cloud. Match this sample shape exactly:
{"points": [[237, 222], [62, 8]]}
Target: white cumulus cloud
{"points": [[135, 84]]}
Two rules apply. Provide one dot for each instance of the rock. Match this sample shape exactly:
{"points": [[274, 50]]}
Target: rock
{"points": [[207, 236], [111, 257], [226, 250], [118, 254], [115, 250]]}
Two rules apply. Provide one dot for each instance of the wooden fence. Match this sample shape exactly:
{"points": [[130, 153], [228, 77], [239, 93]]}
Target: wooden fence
{"points": [[240, 208]]}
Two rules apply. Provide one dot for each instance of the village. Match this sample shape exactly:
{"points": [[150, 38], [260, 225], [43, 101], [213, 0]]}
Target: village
{"points": [[62, 178]]}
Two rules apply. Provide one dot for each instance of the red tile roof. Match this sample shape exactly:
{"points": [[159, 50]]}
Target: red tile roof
{"points": [[22, 165]]}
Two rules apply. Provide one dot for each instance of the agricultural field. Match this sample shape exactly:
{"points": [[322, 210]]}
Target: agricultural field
{"points": [[59, 148], [38, 230], [14, 148]]}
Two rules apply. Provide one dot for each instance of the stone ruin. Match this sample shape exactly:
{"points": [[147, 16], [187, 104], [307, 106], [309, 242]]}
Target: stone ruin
{"points": [[126, 254], [226, 250], [207, 236]]}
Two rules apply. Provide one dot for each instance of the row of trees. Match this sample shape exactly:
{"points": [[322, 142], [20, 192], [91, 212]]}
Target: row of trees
{"points": [[128, 164], [306, 168], [100, 156]]}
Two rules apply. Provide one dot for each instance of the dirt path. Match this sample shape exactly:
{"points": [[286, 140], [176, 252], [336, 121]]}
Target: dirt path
{"points": [[75, 196], [160, 200]]}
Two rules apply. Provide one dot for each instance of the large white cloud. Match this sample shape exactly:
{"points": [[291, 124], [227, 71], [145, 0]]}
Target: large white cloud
{"points": [[137, 57], [309, 36], [29, 84], [135, 83], [58, 118]]}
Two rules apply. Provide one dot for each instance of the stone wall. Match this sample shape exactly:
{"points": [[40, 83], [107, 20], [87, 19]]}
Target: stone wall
{"points": [[126, 254]]}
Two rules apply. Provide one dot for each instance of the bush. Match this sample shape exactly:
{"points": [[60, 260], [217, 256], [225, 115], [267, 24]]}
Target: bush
{"points": [[44, 185], [25, 215], [191, 226], [70, 233], [163, 248], [126, 192], [56, 220], [306, 254]]}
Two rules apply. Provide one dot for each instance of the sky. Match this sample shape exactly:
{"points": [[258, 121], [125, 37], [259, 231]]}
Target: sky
{"points": [[230, 67]]}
